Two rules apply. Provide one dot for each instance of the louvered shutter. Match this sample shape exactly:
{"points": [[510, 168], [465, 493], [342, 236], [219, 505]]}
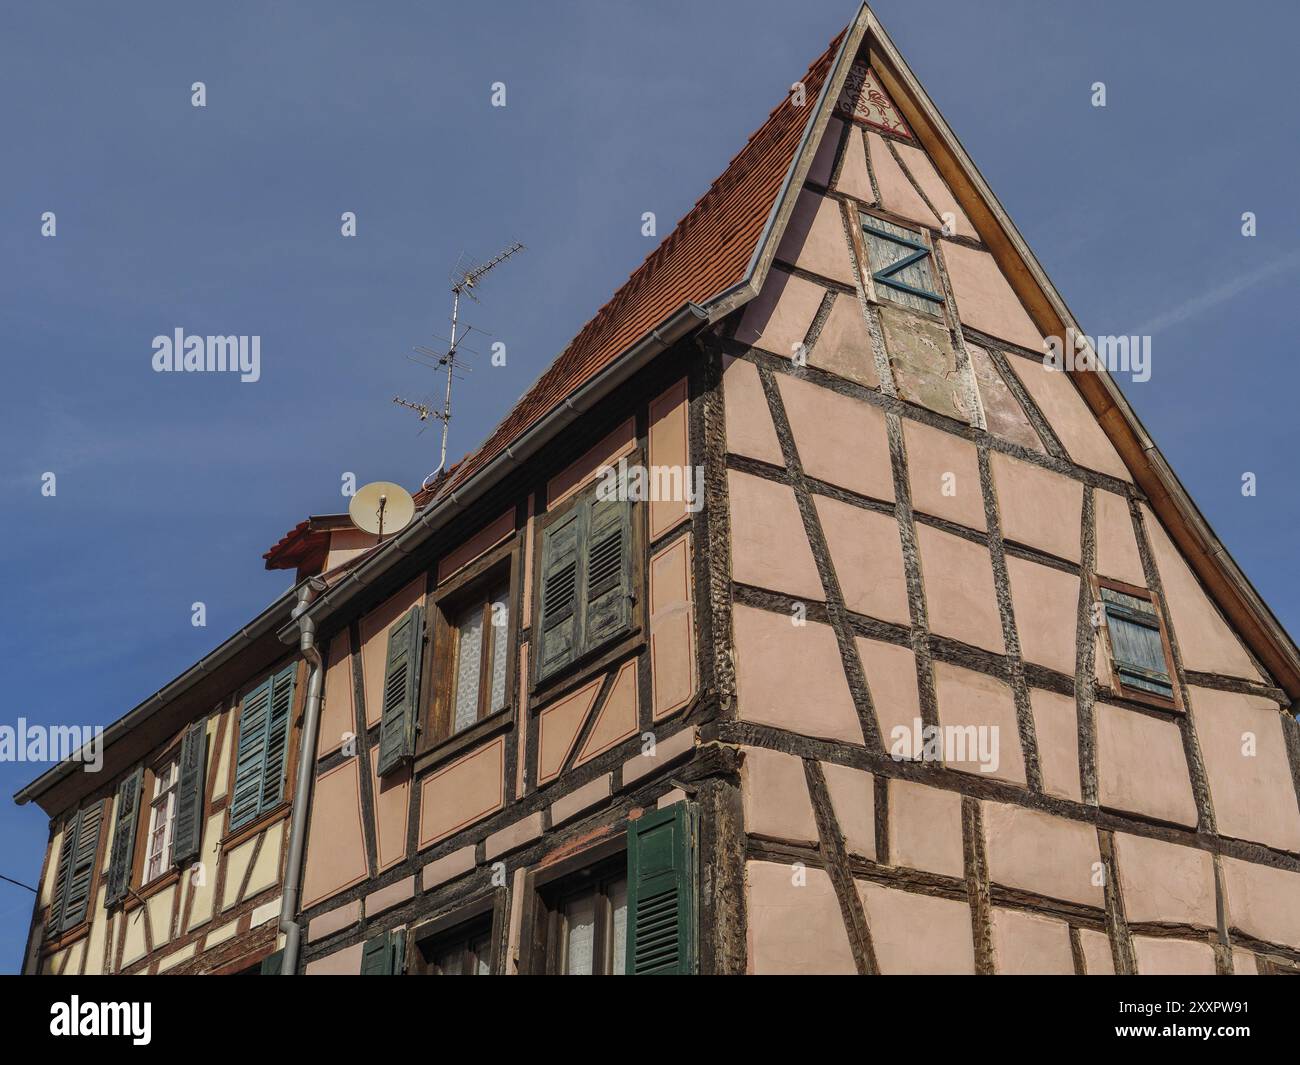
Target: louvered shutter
{"points": [[66, 847], [401, 690], [277, 735], [81, 867], [1136, 644], [560, 615], [272, 964], [607, 575], [189, 794], [250, 758], [661, 892], [125, 819], [900, 264], [384, 955]]}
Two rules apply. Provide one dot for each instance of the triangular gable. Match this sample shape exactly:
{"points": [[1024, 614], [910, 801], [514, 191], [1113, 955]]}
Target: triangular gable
{"points": [[922, 172], [720, 255]]}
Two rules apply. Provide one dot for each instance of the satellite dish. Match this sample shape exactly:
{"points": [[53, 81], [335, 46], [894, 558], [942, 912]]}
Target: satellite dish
{"points": [[381, 507]]}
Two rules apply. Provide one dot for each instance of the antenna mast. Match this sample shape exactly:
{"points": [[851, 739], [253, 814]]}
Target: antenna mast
{"points": [[464, 277]]}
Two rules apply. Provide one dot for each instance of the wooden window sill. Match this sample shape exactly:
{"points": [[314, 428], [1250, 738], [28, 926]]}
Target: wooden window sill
{"points": [[445, 749], [577, 674], [136, 899], [248, 831], [66, 939]]}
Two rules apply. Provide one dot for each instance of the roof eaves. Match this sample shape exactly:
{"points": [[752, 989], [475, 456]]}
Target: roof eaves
{"points": [[262, 624]]}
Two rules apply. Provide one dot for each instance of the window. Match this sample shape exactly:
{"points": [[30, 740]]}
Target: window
{"points": [[586, 931], [633, 911], [902, 270], [263, 747], [74, 879], [473, 621], [481, 639], [465, 950], [1141, 665], [162, 820], [587, 581]]}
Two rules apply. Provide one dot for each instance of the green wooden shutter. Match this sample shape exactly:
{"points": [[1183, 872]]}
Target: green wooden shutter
{"points": [[1136, 643], [401, 691], [264, 724], [561, 632], [250, 758], [125, 819], [277, 735], [61, 877], [900, 263], [607, 573], [189, 794], [81, 867], [384, 955], [661, 892]]}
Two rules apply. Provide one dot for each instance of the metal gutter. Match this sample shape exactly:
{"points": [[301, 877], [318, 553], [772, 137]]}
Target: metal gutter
{"points": [[439, 511], [306, 774], [264, 623]]}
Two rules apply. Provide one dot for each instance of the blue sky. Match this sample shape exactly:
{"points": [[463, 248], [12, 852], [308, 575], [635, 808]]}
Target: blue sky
{"points": [[226, 220]]}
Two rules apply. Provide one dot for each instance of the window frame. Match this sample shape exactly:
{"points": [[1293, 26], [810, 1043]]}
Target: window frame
{"points": [[596, 658], [170, 761], [1118, 688], [487, 910], [444, 604], [544, 888], [598, 880]]}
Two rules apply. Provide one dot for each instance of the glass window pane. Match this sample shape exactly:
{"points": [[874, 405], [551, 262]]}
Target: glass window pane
{"points": [[449, 962], [482, 954], [581, 940], [618, 935], [469, 657], [500, 645]]}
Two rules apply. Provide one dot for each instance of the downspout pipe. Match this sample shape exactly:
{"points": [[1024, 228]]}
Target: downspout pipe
{"points": [[302, 787]]}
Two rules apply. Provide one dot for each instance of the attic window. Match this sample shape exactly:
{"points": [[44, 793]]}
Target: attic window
{"points": [[902, 266], [1140, 658]]}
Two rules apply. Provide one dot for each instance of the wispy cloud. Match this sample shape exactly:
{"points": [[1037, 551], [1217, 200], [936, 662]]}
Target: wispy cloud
{"points": [[1203, 302]]}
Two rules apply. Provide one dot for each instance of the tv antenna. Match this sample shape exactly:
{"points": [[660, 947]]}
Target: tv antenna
{"points": [[464, 277]]}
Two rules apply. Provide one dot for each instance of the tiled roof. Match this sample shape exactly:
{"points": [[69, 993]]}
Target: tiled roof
{"points": [[706, 253]]}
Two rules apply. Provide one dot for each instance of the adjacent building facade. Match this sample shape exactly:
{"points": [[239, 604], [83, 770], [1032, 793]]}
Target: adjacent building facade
{"points": [[799, 619]]}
